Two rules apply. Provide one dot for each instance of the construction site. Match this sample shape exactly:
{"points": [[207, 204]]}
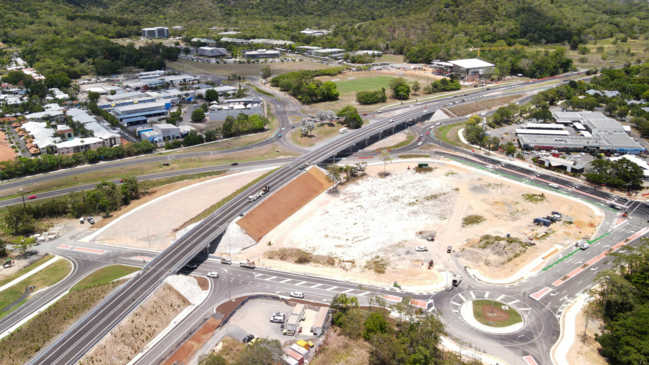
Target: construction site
{"points": [[395, 224]]}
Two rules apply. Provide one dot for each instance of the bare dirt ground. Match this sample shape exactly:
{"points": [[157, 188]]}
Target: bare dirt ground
{"points": [[189, 348], [469, 108], [375, 223], [6, 152], [138, 328], [388, 142], [154, 227], [279, 206], [585, 349]]}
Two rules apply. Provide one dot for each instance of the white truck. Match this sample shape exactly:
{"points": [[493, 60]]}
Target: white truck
{"points": [[259, 194]]}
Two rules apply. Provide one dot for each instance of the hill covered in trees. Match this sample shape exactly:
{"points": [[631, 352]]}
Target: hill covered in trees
{"points": [[73, 33]]}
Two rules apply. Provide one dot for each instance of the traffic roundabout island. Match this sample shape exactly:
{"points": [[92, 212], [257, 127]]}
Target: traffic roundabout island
{"points": [[492, 316]]}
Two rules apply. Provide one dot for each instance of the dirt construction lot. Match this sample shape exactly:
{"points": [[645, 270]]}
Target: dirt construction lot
{"points": [[6, 152], [154, 226], [370, 229], [283, 203]]}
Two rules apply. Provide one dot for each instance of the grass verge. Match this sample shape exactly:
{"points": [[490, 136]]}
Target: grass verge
{"points": [[202, 215], [442, 133], [174, 179], [42, 279], [26, 341], [263, 92], [26, 269], [495, 314], [103, 276], [405, 142]]}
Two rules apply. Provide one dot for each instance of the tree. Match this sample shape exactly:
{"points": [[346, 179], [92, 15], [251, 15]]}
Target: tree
{"points": [[211, 95], [18, 221], [375, 324], [400, 89], [213, 359], [510, 149], [351, 117], [198, 115], [262, 352], [416, 87], [130, 189], [266, 72]]}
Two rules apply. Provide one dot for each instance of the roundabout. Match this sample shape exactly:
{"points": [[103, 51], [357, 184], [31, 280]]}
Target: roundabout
{"points": [[491, 316]]}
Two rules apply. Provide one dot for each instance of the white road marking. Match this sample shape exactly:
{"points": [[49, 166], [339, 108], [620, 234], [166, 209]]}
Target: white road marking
{"points": [[316, 286], [463, 298], [285, 281], [513, 302], [300, 283], [524, 309], [363, 294], [455, 303], [332, 288], [270, 278], [258, 275], [347, 291], [455, 311], [472, 294], [500, 297], [486, 294]]}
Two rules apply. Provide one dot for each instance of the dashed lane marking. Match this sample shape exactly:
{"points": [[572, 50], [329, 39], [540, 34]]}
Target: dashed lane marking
{"points": [[463, 298], [513, 302], [524, 309], [472, 294], [258, 275], [455, 303], [455, 311], [270, 278], [316, 286], [347, 291], [363, 293], [500, 297], [332, 288], [300, 283], [285, 281]]}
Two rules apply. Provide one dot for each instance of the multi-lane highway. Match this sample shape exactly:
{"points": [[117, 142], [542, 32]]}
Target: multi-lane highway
{"points": [[541, 322]]}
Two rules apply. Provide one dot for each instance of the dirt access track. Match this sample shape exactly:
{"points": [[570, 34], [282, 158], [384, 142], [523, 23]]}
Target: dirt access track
{"points": [[283, 203], [374, 224]]}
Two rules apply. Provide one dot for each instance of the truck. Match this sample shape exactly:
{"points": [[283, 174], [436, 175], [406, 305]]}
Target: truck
{"points": [[247, 264], [265, 189]]}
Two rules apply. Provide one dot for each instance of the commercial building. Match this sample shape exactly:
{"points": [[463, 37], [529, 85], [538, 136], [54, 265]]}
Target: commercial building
{"points": [[108, 135], [78, 144], [315, 32], [155, 32], [140, 113], [328, 52], [262, 53], [292, 324], [368, 52], [234, 107], [163, 132], [320, 322], [471, 68], [599, 134], [213, 52]]}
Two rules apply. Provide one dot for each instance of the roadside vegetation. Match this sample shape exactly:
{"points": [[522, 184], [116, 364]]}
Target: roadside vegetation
{"points": [[25, 342], [377, 264], [534, 198], [304, 87], [261, 352], [25, 269], [12, 297], [471, 220], [299, 256], [622, 302]]}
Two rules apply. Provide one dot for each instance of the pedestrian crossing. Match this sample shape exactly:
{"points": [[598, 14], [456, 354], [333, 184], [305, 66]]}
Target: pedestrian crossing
{"points": [[311, 285]]}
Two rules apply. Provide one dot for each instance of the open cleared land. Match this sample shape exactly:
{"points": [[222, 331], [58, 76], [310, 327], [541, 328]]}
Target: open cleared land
{"points": [[585, 349], [279, 206], [6, 152], [155, 226], [368, 83], [319, 134], [138, 328], [607, 53], [11, 298], [26, 341], [337, 349], [397, 140], [374, 225], [495, 314]]}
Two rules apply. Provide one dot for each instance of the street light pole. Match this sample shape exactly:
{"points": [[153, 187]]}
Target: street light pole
{"points": [[22, 193]]}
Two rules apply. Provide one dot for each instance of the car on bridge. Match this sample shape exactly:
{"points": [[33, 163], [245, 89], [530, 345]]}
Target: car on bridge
{"points": [[297, 294], [213, 274]]}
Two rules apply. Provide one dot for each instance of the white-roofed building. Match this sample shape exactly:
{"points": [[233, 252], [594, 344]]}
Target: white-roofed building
{"points": [[213, 52], [262, 53], [43, 136], [78, 144], [315, 32], [472, 68]]}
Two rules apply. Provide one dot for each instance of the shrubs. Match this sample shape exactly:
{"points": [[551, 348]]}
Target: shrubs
{"points": [[443, 85], [351, 118], [371, 97], [473, 219], [243, 124], [400, 89]]}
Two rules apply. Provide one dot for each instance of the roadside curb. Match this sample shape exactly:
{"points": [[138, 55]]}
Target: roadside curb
{"points": [[568, 331]]}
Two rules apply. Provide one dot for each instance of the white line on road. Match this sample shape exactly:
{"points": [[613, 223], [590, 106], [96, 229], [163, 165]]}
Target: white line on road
{"points": [[270, 278], [258, 275], [300, 283], [347, 291], [513, 302], [500, 297], [472, 294], [455, 303], [524, 309], [316, 286], [332, 288], [463, 298], [285, 281], [363, 294], [486, 294], [455, 311]]}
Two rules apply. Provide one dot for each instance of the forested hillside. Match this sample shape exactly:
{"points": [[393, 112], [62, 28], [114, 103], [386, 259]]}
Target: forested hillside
{"points": [[73, 33]]}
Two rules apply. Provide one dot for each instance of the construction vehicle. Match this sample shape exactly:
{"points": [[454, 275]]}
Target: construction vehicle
{"points": [[247, 264], [265, 189], [542, 221]]}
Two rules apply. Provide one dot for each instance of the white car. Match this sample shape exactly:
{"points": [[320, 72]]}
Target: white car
{"points": [[421, 249], [297, 294], [213, 274]]}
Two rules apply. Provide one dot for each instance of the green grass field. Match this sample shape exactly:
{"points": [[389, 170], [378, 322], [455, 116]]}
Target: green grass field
{"points": [[502, 318], [104, 276], [364, 84], [27, 269]]}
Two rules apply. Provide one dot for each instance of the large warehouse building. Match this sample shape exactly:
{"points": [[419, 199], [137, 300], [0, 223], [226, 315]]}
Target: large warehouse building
{"points": [[472, 68], [594, 132]]}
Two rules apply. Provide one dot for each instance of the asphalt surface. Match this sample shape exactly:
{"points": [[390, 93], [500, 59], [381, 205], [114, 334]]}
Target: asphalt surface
{"points": [[541, 326]]}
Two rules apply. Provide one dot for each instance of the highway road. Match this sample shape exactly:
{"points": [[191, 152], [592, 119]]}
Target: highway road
{"points": [[84, 334]]}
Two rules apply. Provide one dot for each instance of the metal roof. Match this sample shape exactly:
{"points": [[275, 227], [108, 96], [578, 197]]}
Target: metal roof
{"points": [[471, 63]]}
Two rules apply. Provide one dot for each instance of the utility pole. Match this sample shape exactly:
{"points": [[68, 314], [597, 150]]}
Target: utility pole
{"points": [[22, 193]]}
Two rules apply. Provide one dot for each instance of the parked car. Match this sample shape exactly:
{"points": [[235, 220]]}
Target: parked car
{"points": [[421, 249], [31, 197], [226, 261], [82, 219], [449, 249], [297, 294], [213, 274], [248, 338], [90, 220], [278, 318], [234, 164]]}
